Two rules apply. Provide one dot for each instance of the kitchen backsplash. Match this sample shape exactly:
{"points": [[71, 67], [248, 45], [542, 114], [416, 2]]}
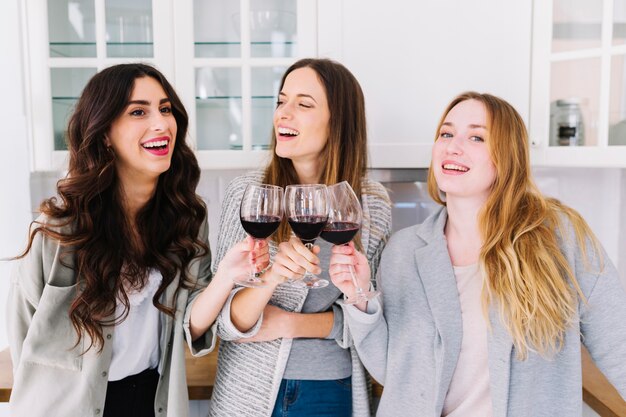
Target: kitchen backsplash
{"points": [[599, 194]]}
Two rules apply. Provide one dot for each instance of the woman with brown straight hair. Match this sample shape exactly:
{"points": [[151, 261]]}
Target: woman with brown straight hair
{"points": [[283, 349], [116, 275], [485, 305]]}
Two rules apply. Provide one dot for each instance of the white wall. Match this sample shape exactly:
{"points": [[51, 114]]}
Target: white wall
{"points": [[14, 162], [599, 195]]}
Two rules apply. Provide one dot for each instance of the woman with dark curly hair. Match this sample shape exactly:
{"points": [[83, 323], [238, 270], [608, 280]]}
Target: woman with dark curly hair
{"points": [[116, 274]]}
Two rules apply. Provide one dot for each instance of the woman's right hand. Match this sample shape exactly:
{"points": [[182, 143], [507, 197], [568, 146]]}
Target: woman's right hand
{"points": [[292, 261], [240, 257], [342, 259]]}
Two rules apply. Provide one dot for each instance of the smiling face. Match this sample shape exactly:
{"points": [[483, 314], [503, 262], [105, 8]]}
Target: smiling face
{"points": [[461, 160], [144, 134], [302, 117]]}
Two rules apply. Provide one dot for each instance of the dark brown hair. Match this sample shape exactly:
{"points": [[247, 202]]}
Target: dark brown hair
{"points": [[105, 259], [344, 158]]}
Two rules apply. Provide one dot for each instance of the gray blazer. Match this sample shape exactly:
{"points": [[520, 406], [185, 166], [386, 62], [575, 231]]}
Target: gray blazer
{"points": [[411, 342], [51, 377]]}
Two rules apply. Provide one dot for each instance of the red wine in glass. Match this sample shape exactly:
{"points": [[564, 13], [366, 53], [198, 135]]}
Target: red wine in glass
{"points": [[306, 208], [344, 222], [308, 228], [261, 212], [260, 227], [340, 233]]}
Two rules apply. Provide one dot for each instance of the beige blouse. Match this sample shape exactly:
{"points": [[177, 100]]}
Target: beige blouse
{"points": [[469, 394]]}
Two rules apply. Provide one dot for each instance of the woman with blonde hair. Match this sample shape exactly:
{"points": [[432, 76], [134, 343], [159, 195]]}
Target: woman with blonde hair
{"points": [[292, 357], [485, 305]]}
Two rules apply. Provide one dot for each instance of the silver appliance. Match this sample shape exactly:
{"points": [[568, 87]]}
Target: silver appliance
{"points": [[408, 191]]}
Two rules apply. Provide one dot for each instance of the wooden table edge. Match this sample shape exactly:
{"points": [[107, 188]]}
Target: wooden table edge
{"points": [[598, 393]]}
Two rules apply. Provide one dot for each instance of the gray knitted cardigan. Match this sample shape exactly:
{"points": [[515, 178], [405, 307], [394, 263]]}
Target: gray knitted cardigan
{"points": [[249, 374]]}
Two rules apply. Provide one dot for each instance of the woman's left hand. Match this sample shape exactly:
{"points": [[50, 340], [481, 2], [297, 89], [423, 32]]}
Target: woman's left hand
{"points": [[275, 325]]}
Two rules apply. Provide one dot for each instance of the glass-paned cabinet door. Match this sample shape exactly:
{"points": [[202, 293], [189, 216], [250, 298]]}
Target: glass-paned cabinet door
{"points": [[218, 108], [265, 85], [67, 84], [221, 27], [273, 28], [573, 104], [575, 82], [68, 42], [617, 105], [619, 22], [129, 28], [71, 28], [578, 97], [576, 24], [240, 51], [216, 26]]}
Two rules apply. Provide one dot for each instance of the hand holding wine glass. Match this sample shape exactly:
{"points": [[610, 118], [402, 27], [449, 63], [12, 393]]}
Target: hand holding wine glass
{"points": [[292, 261], [349, 270], [306, 208], [260, 213], [344, 221]]}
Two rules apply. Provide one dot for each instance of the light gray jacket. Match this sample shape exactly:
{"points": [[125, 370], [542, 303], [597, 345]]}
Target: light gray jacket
{"points": [[51, 377], [412, 344]]}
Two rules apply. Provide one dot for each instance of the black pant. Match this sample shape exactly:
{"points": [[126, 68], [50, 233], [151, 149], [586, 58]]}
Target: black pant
{"points": [[132, 396]]}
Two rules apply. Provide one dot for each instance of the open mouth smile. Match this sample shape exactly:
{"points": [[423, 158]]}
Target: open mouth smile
{"points": [[454, 168], [157, 146], [286, 133]]}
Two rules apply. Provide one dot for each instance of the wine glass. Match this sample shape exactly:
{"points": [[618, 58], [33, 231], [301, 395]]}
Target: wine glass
{"points": [[261, 212], [344, 221], [306, 208]]}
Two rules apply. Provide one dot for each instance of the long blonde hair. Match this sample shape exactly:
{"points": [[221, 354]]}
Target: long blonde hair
{"points": [[344, 158], [527, 276]]}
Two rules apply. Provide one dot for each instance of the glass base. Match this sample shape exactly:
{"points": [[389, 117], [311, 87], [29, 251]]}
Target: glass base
{"points": [[315, 283], [311, 282], [360, 297], [250, 281]]}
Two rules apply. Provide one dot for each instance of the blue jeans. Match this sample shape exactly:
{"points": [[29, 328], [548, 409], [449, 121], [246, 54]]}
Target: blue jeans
{"points": [[306, 398]]}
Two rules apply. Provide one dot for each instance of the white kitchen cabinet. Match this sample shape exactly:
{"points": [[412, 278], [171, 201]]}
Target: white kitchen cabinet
{"points": [[412, 58], [225, 59], [579, 56], [230, 88]]}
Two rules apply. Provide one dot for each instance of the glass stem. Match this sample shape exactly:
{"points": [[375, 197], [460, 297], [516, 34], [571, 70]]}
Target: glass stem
{"points": [[355, 282], [359, 290], [309, 246], [253, 273]]}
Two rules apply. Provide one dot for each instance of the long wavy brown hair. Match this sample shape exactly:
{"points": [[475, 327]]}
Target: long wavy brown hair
{"points": [[344, 158], [527, 276], [106, 260]]}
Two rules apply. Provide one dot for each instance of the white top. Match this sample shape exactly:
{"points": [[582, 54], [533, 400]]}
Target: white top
{"points": [[136, 339], [468, 394]]}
